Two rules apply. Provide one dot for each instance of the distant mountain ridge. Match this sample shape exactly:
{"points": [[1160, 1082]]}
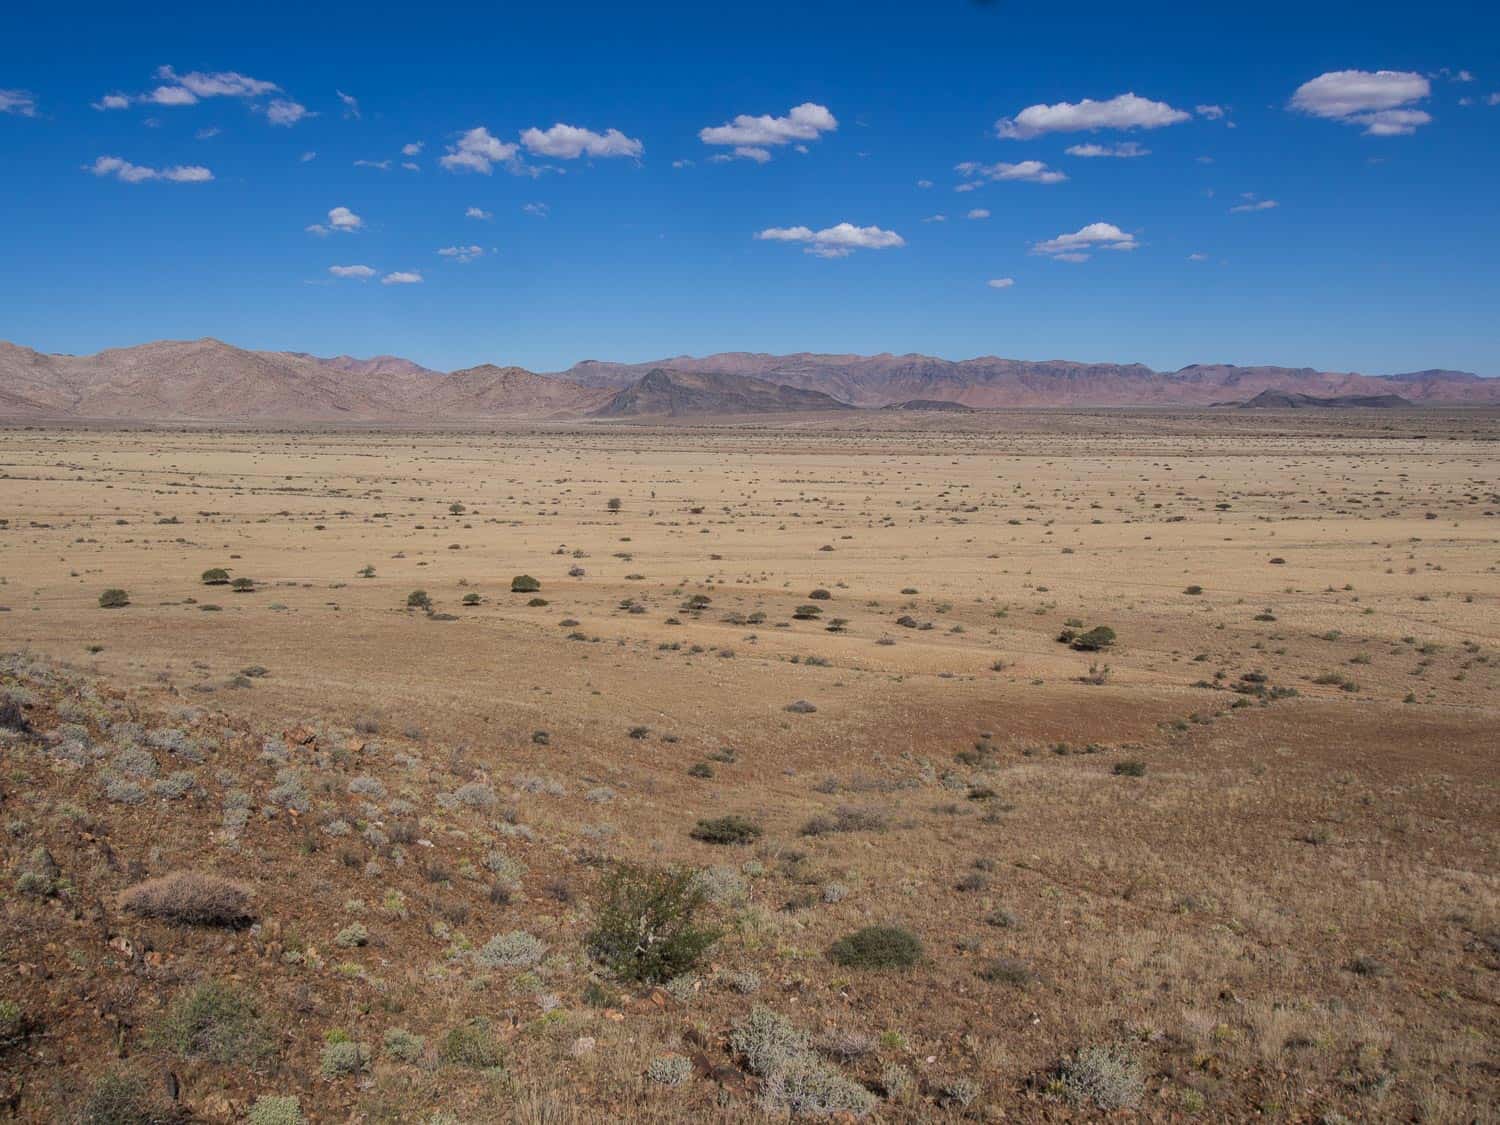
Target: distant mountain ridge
{"points": [[208, 380]]}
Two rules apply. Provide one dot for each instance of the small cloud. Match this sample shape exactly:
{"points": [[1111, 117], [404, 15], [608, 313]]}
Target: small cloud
{"points": [[478, 151], [1030, 171], [284, 111], [568, 142], [1001, 282], [383, 165], [339, 219], [362, 273], [978, 213], [924, 184], [109, 101], [221, 84], [1078, 246], [208, 134], [836, 241], [462, 253], [307, 157], [752, 137], [130, 173], [402, 277], [1493, 99], [412, 149], [479, 213], [540, 210], [1212, 112], [1463, 76], [351, 104], [1253, 204], [411, 166], [1126, 111], [1204, 159], [1197, 257], [936, 219], [1126, 151], [682, 164], [171, 95]]}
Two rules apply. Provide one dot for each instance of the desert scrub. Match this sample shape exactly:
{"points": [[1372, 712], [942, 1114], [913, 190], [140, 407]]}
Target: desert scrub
{"points": [[12, 1024], [877, 947], [524, 584], [113, 598], [216, 576], [1108, 1077], [353, 936], [475, 795], [669, 1070], [808, 1086], [122, 1098], [722, 886], [402, 1045], [767, 1040], [473, 1045], [419, 599], [190, 898], [646, 922], [214, 1022], [343, 1057], [515, 950], [730, 829], [275, 1109]]}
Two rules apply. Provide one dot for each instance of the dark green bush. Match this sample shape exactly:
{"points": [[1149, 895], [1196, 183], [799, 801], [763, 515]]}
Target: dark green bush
{"points": [[524, 584], [215, 1022], [730, 829], [646, 924], [215, 576], [877, 947], [242, 585], [1131, 767], [418, 599], [113, 598], [472, 1044]]}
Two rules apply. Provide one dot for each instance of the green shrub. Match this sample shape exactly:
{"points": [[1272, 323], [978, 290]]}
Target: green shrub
{"points": [[767, 1041], [1130, 767], [343, 1057], [418, 599], [472, 1044], [216, 576], [877, 947], [1108, 1077], [807, 1086], [120, 1098], [471, 599], [1097, 638], [730, 829], [242, 585], [213, 1021], [646, 924], [514, 950], [402, 1045], [276, 1109], [669, 1070], [12, 1024], [524, 584], [113, 598]]}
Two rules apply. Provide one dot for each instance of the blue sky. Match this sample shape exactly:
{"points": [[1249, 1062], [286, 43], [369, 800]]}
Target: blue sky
{"points": [[711, 155]]}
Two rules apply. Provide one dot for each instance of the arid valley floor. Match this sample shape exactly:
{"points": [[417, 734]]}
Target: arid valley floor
{"points": [[1241, 864]]}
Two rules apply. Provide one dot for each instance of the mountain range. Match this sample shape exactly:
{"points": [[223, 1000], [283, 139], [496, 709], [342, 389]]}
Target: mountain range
{"points": [[208, 380]]}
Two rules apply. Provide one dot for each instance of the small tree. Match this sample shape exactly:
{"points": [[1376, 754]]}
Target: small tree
{"points": [[646, 922], [215, 576], [418, 599], [614, 504], [113, 598], [242, 585], [456, 508]]}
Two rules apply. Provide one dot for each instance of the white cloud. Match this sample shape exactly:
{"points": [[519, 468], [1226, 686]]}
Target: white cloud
{"points": [[978, 213], [1127, 111], [1124, 151], [1464, 76], [753, 137], [208, 134], [462, 253], [307, 156], [339, 219], [478, 151], [836, 241], [223, 84], [139, 173], [402, 277], [682, 164], [112, 101], [411, 166], [1001, 282], [540, 210], [284, 111], [1253, 204], [1077, 247], [383, 165], [351, 104], [1212, 112], [478, 213], [362, 273], [1031, 171], [22, 103], [1493, 99], [171, 95], [924, 184], [568, 142], [936, 219], [412, 149], [1372, 99]]}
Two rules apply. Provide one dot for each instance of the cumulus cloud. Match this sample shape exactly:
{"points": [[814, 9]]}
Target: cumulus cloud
{"points": [[171, 95], [112, 101], [402, 277], [1031, 171], [978, 213], [138, 173], [478, 151], [339, 219], [22, 103], [1212, 112], [284, 111], [1378, 100], [1127, 111], [351, 104], [362, 273], [1124, 151], [478, 213], [1000, 282], [462, 253], [1077, 247], [222, 84], [752, 138], [568, 142], [836, 241], [412, 149]]}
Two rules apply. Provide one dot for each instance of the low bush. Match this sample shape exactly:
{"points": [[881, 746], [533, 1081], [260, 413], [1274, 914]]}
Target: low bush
{"points": [[122, 1098], [524, 584], [646, 922], [216, 576], [473, 1045], [214, 1022], [1108, 1077], [113, 598], [877, 947], [190, 898], [730, 829]]}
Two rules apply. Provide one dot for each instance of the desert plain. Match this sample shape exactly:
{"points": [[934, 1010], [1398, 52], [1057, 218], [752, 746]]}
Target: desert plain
{"points": [[1238, 864]]}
